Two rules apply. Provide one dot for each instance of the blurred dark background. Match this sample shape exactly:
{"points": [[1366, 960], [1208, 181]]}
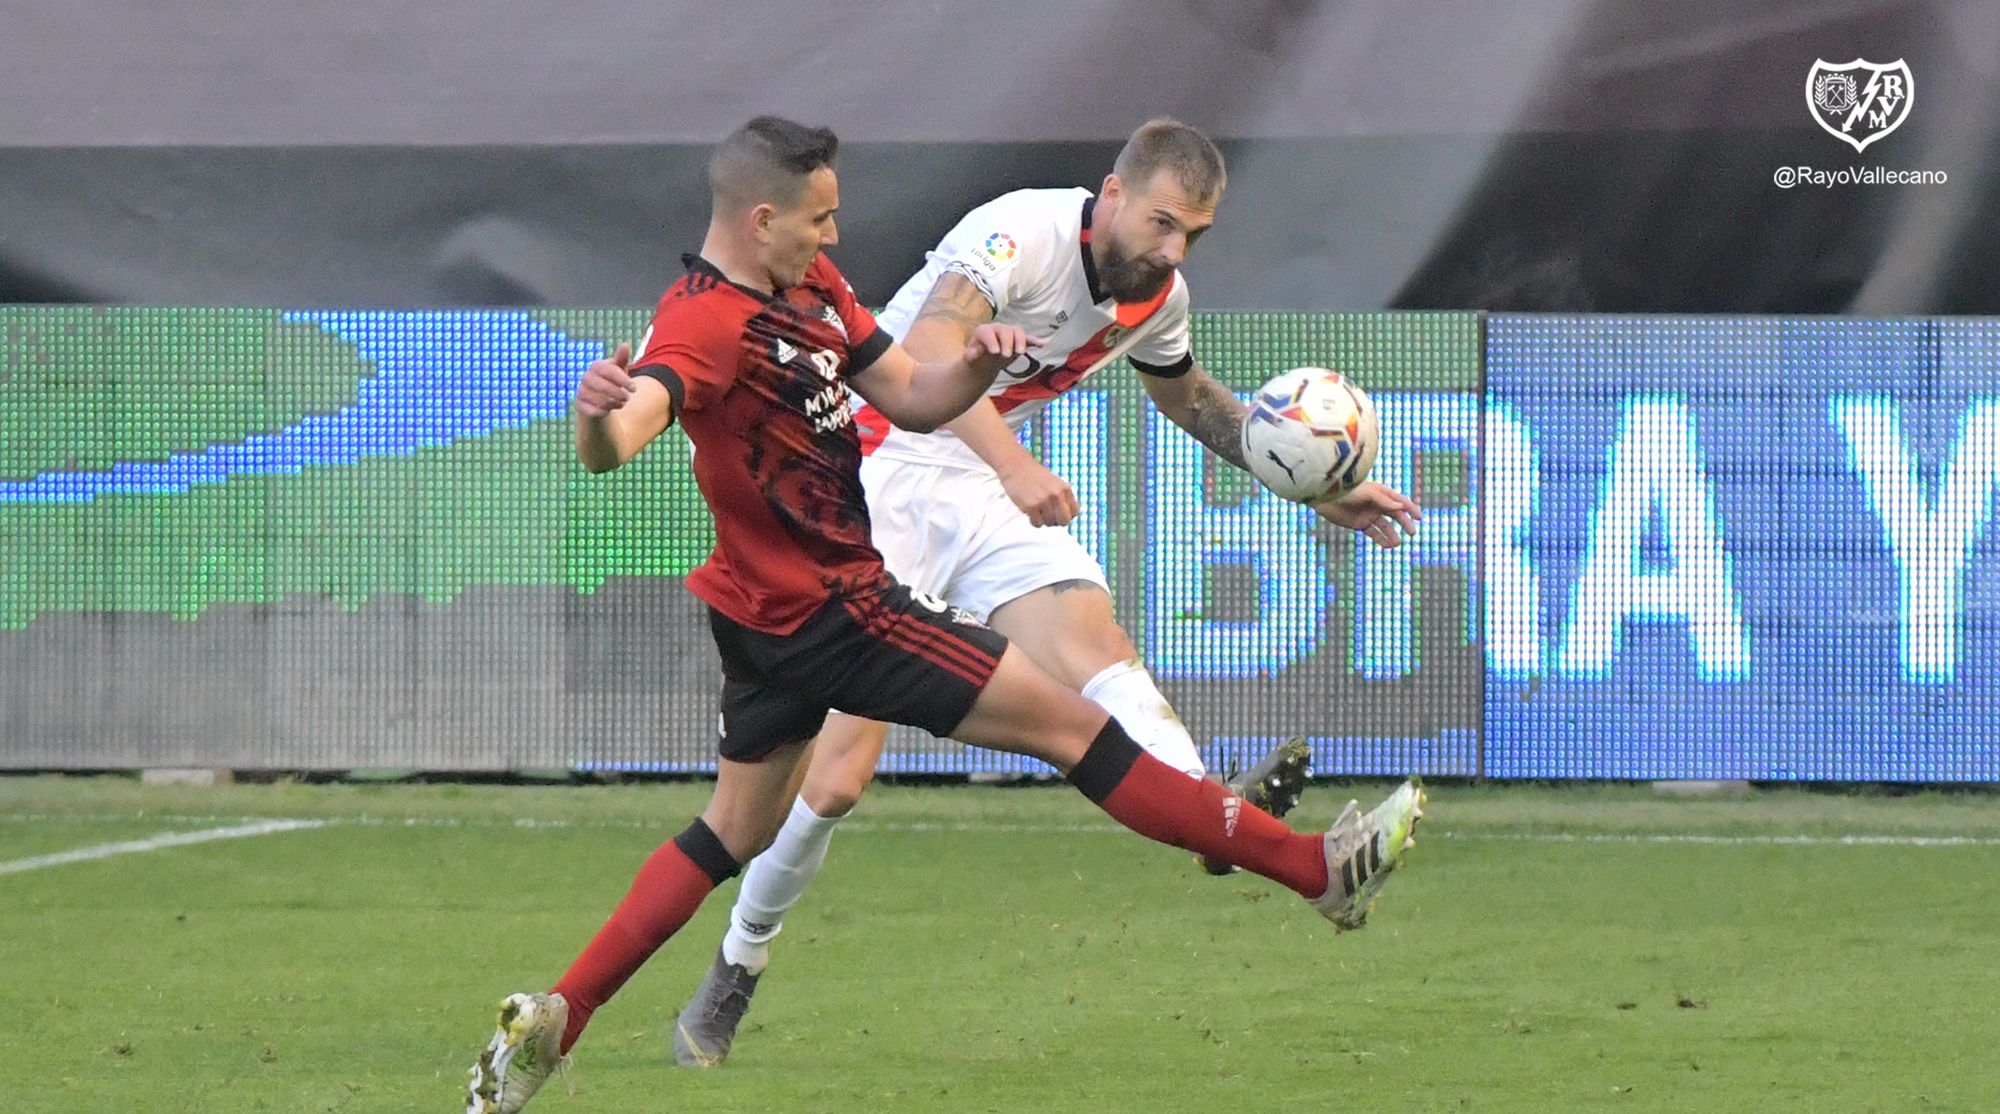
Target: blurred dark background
{"points": [[1602, 155]]}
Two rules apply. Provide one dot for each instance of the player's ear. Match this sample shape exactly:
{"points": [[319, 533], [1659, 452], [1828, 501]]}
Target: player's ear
{"points": [[761, 216], [1113, 187]]}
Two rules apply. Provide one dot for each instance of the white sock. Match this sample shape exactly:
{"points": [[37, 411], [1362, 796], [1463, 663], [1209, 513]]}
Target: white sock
{"points": [[773, 884], [1127, 691]]}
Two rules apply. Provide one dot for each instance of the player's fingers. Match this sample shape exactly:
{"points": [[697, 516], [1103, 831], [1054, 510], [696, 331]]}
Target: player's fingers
{"points": [[605, 396], [984, 344], [604, 373], [622, 357]]}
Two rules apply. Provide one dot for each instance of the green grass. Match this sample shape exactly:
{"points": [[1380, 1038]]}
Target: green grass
{"points": [[1035, 961]]}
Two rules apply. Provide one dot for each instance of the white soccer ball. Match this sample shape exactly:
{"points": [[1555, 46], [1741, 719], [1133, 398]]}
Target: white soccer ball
{"points": [[1311, 433]]}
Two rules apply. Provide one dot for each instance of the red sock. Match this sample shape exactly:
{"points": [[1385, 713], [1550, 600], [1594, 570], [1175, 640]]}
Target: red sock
{"points": [[669, 888], [1162, 803]]}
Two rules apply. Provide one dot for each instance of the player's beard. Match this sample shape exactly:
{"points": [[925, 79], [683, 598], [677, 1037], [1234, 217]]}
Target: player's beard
{"points": [[1131, 280]]}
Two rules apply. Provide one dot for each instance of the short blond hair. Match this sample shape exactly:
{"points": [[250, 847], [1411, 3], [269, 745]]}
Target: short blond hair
{"points": [[1164, 143]]}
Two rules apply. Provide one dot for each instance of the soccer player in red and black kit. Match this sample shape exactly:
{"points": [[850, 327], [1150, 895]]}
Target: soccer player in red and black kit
{"points": [[751, 352]]}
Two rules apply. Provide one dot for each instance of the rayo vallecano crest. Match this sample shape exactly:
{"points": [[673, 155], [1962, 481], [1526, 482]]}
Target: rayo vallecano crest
{"points": [[1859, 101]]}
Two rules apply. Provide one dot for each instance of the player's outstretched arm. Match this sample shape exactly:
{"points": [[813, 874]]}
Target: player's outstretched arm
{"points": [[1213, 415], [923, 396], [1209, 411], [616, 414]]}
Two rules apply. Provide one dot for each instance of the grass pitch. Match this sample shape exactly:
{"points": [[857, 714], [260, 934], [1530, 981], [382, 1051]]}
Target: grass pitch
{"points": [[984, 949]]}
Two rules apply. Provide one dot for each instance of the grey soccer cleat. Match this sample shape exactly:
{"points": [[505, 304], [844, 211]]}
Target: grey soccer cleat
{"points": [[1363, 849], [1273, 784], [523, 1052], [707, 1024]]}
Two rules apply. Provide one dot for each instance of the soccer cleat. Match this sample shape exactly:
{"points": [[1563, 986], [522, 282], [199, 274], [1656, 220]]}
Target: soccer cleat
{"points": [[522, 1053], [1273, 784], [707, 1024], [1363, 849]]}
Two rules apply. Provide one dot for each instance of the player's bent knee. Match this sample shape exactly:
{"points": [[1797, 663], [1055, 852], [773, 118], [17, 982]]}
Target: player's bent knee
{"points": [[842, 767], [834, 796], [1113, 645]]}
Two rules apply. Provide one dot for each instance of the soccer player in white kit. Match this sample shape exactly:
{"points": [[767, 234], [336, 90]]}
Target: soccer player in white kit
{"points": [[968, 514]]}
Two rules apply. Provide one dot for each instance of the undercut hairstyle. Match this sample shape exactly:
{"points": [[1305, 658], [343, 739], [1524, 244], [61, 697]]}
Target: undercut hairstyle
{"points": [[1166, 144], [768, 159]]}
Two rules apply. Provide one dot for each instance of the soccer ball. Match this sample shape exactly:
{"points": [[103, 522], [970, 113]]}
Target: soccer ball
{"points": [[1311, 433]]}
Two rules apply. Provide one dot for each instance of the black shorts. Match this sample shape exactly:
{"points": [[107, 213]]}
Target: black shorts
{"points": [[900, 657]]}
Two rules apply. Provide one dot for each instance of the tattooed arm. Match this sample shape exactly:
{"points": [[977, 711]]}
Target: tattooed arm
{"points": [[1205, 408], [956, 307], [945, 322], [1211, 413]]}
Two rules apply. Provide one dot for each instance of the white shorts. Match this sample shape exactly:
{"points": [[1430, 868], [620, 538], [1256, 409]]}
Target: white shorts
{"points": [[953, 532]]}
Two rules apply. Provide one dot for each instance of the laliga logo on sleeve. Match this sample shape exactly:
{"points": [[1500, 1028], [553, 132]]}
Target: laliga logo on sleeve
{"points": [[1874, 97]]}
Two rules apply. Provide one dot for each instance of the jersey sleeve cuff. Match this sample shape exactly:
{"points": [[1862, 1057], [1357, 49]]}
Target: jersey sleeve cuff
{"points": [[1173, 370], [981, 280], [863, 356], [670, 379]]}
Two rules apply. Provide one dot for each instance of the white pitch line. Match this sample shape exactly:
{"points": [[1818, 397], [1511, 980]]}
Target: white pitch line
{"points": [[155, 843], [1855, 840], [250, 826]]}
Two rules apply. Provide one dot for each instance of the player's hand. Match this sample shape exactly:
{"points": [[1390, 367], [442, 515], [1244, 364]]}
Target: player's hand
{"points": [[1376, 510], [994, 346], [605, 386], [1041, 494]]}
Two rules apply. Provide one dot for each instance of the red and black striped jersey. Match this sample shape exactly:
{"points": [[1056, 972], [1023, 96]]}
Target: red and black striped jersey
{"points": [[756, 381]]}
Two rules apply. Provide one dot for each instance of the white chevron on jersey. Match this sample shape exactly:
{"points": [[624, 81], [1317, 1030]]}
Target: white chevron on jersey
{"points": [[1024, 251]]}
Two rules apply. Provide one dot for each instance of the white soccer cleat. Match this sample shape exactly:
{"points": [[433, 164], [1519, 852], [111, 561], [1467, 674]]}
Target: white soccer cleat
{"points": [[522, 1054], [1363, 849]]}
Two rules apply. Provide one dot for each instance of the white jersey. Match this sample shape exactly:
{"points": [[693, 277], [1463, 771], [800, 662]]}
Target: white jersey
{"points": [[1028, 252]]}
